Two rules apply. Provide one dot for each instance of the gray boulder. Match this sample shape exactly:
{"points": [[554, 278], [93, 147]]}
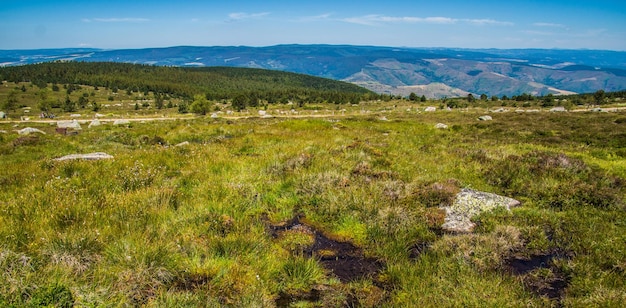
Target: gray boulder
{"points": [[470, 203], [2, 115], [73, 124], [485, 118]]}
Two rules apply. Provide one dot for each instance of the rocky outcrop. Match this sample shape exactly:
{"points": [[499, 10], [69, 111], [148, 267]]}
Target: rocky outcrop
{"points": [[470, 203]]}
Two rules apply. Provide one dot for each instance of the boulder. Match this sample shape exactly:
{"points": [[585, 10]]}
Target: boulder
{"points": [[214, 116], [441, 126], [182, 144], [469, 203], [90, 156], [558, 109], [75, 115], [2, 115], [262, 112], [383, 118], [121, 122], [430, 109], [73, 124], [29, 130], [94, 123], [485, 118]]}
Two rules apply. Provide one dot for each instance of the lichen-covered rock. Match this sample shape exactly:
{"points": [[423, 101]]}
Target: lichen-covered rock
{"points": [[470, 203]]}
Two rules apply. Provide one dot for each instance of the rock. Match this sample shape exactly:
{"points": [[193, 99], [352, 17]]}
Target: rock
{"points": [[441, 126], [383, 118], [94, 123], [262, 112], [182, 144], [75, 115], [485, 118], [2, 131], [69, 124], [99, 115], [558, 109], [430, 109], [29, 130], [90, 156], [499, 110], [214, 116], [470, 203], [121, 122], [2, 115]]}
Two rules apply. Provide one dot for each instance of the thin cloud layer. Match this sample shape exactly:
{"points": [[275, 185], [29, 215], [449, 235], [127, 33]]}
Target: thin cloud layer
{"points": [[242, 16], [126, 19], [371, 20]]}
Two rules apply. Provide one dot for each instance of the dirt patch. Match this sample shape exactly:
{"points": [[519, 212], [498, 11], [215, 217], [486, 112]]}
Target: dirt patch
{"points": [[342, 259], [540, 274]]}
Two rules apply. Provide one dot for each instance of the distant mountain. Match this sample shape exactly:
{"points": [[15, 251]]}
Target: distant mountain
{"points": [[434, 72]]}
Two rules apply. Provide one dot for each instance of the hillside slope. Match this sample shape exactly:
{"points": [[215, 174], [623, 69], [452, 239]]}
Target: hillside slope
{"points": [[387, 69]]}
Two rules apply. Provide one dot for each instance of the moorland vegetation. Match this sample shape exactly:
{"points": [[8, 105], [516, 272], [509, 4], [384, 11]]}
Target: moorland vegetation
{"points": [[339, 207]]}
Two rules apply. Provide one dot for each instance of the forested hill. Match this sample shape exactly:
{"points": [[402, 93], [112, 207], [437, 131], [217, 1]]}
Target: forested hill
{"points": [[214, 82]]}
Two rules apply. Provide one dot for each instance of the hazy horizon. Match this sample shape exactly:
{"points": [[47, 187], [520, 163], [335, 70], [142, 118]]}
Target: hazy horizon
{"points": [[487, 24]]}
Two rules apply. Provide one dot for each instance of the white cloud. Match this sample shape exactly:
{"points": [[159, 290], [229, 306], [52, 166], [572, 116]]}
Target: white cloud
{"points": [[371, 20], [115, 20], [549, 25], [242, 15], [487, 22], [315, 18]]}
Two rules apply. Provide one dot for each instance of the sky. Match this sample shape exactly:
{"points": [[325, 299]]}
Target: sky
{"points": [[117, 24]]}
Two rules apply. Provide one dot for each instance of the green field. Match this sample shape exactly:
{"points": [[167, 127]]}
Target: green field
{"points": [[262, 211]]}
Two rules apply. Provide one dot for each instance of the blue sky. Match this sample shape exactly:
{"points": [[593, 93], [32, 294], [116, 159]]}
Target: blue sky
{"points": [[573, 24]]}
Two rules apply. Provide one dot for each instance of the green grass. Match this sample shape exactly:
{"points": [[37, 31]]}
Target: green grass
{"points": [[161, 225]]}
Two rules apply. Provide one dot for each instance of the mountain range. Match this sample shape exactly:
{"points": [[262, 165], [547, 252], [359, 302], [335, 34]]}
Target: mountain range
{"points": [[433, 72]]}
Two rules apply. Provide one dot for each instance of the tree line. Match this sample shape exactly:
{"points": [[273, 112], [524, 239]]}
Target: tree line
{"points": [[243, 86]]}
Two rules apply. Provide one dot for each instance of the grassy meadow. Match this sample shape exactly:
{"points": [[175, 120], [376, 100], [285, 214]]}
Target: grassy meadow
{"points": [[166, 224]]}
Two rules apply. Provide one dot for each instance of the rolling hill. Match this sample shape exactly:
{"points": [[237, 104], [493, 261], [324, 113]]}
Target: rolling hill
{"points": [[434, 72]]}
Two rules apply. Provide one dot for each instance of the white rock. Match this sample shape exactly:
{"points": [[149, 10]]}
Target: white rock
{"points": [[485, 118], [29, 130], [75, 115], [214, 116], [430, 109], [99, 115], [441, 126], [94, 123], [558, 109], [182, 144], [383, 119], [262, 112], [121, 122], [69, 124], [2, 115], [90, 156]]}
